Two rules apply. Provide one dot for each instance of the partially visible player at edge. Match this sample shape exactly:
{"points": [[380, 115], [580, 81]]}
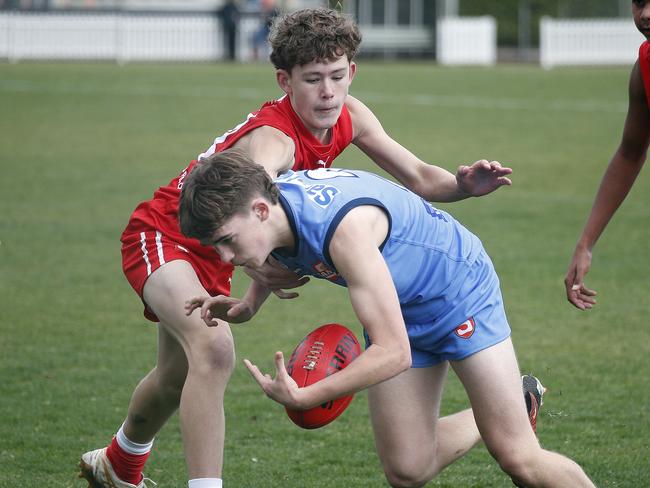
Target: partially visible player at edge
{"points": [[623, 168], [316, 119], [366, 233]]}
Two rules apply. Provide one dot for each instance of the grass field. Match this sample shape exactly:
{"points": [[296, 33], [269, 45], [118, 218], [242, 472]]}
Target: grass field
{"points": [[81, 145]]}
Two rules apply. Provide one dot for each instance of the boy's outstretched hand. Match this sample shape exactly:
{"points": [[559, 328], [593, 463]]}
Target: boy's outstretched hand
{"points": [[482, 177], [220, 307], [283, 389]]}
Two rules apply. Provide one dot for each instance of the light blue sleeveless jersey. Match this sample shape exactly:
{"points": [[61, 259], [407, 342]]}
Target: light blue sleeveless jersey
{"points": [[444, 279]]}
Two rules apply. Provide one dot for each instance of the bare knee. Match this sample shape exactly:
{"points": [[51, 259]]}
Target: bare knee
{"points": [[409, 473], [520, 465], [213, 354], [398, 479]]}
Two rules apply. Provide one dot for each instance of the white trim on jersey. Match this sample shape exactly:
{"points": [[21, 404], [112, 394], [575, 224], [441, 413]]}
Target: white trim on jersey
{"points": [[211, 150]]}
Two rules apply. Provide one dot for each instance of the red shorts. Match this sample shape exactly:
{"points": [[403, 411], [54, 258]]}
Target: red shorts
{"points": [[144, 250]]}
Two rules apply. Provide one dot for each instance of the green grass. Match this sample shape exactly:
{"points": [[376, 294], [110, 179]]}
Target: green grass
{"points": [[82, 144]]}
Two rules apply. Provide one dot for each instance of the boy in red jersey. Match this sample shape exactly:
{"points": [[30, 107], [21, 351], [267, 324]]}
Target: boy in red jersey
{"points": [[313, 52], [623, 168]]}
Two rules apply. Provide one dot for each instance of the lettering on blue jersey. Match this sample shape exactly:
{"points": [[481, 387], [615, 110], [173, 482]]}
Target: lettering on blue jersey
{"points": [[322, 195], [433, 211], [323, 271]]}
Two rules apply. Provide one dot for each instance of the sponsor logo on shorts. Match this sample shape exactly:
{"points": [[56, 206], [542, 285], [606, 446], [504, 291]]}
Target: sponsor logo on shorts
{"points": [[181, 248], [466, 329], [324, 272]]}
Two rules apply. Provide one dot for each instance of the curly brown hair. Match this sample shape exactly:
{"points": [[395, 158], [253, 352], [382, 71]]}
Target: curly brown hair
{"points": [[218, 188], [310, 35]]}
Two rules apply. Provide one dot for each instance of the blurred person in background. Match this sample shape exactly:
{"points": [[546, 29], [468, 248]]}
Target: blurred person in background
{"points": [[623, 168], [229, 17], [268, 13]]}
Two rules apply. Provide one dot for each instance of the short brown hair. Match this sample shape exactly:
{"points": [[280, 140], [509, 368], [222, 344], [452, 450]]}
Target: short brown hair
{"points": [[218, 188], [310, 35]]}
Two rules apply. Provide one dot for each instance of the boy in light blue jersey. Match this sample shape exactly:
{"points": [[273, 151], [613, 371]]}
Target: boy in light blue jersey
{"points": [[445, 281], [421, 285]]}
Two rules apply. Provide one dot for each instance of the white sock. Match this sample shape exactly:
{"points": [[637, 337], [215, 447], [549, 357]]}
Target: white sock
{"points": [[205, 483], [131, 447]]}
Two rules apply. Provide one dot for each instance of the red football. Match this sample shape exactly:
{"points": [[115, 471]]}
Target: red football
{"points": [[326, 350]]}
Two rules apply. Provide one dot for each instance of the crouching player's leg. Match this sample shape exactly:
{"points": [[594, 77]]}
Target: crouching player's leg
{"points": [[472, 333], [194, 365], [491, 378], [413, 444], [485, 362], [209, 353]]}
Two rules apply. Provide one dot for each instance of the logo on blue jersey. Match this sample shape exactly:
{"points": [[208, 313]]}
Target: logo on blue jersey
{"points": [[318, 193], [328, 173], [322, 194]]}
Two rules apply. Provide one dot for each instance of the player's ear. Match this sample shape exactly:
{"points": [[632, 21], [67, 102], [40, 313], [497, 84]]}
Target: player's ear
{"points": [[283, 78], [260, 209], [353, 70]]}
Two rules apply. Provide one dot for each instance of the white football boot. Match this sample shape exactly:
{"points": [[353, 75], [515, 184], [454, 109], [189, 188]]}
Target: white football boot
{"points": [[97, 470]]}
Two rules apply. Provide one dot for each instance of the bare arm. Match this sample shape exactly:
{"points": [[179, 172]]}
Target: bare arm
{"points": [[617, 181], [429, 181], [274, 150], [269, 147], [355, 253]]}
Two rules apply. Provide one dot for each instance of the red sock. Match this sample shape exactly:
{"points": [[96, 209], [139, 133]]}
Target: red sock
{"points": [[127, 467]]}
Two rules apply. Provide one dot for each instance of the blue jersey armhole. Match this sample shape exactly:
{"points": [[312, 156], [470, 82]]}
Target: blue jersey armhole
{"points": [[342, 212]]}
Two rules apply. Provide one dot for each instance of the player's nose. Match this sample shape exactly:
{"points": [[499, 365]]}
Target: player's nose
{"points": [[327, 89], [225, 254]]}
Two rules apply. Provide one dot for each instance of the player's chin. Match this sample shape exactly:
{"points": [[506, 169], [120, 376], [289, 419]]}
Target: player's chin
{"points": [[326, 119]]}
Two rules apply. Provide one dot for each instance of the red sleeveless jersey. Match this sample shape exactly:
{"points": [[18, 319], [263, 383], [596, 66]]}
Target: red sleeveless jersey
{"points": [[644, 65], [161, 212], [153, 237], [310, 153]]}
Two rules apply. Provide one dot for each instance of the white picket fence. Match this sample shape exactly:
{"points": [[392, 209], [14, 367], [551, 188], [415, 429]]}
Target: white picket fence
{"points": [[588, 42], [122, 37], [130, 36], [466, 40]]}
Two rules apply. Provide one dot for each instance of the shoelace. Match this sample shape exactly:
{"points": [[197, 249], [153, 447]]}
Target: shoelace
{"points": [[311, 359]]}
